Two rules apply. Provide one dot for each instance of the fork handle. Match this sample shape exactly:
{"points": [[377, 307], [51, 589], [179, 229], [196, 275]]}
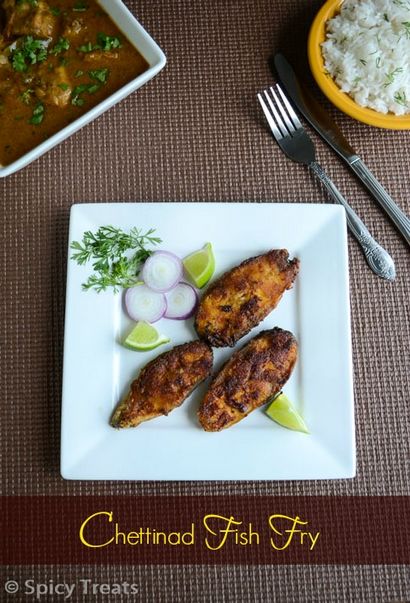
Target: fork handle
{"points": [[378, 259]]}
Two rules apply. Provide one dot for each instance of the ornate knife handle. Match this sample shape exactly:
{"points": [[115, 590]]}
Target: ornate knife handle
{"points": [[378, 259], [401, 221]]}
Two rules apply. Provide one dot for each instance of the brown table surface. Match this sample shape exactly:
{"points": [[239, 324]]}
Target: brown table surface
{"points": [[196, 134]]}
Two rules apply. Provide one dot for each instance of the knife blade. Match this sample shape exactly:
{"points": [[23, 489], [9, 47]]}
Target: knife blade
{"points": [[323, 123]]}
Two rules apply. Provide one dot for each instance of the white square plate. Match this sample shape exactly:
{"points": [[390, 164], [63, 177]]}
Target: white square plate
{"points": [[98, 369]]}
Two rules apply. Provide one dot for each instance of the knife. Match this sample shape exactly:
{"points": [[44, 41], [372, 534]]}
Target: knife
{"points": [[329, 131]]}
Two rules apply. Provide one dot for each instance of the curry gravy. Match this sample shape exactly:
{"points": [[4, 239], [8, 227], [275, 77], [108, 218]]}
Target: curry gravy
{"points": [[58, 59]]}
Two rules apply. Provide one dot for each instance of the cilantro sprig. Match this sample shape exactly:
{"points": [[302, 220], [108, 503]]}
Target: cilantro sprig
{"points": [[108, 42], [28, 52], [76, 96], [104, 42], [25, 96], [100, 75], [38, 115], [109, 250], [61, 46]]}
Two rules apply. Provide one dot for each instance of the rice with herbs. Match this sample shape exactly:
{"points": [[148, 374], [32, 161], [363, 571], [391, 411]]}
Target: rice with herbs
{"points": [[367, 52]]}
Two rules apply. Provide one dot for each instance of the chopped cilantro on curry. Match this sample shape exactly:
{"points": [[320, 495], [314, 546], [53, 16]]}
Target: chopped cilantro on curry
{"points": [[58, 59]]}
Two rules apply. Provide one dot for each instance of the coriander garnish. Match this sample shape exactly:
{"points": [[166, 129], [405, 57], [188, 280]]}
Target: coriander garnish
{"points": [[104, 42], [108, 42], [76, 98], [38, 115], [62, 45], [87, 47], [25, 96], [107, 249], [28, 52], [100, 75]]}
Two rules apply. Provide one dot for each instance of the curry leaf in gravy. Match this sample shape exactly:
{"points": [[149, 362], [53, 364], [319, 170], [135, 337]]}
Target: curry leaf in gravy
{"points": [[55, 11], [38, 115]]}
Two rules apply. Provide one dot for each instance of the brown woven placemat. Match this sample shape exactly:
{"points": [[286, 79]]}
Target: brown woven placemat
{"points": [[196, 133]]}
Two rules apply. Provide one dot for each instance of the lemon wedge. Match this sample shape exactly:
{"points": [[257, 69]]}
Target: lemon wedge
{"points": [[200, 265], [144, 337], [282, 411]]}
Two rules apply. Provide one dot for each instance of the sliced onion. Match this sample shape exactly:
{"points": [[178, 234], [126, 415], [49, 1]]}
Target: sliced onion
{"points": [[162, 271], [181, 302], [144, 304]]}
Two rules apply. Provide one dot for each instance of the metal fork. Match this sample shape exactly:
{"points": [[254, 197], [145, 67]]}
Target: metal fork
{"points": [[298, 146]]}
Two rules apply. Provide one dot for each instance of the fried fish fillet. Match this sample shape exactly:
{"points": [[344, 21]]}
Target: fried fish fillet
{"points": [[252, 376], [164, 383], [242, 297]]}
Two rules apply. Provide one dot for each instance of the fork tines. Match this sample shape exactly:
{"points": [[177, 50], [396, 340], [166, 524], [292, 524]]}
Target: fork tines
{"points": [[279, 113]]}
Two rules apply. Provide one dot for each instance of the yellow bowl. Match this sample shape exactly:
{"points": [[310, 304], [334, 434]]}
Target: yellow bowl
{"points": [[341, 100]]}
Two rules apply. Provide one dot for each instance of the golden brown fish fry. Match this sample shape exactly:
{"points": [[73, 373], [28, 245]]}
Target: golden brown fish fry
{"points": [[164, 383], [252, 376], [242, 297]]}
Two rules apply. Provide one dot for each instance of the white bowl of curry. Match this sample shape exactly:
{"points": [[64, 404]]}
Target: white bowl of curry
{"points": [[62, 64]]}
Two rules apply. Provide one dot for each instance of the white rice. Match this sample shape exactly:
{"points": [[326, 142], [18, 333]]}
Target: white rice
{"points": [[367, 52]]}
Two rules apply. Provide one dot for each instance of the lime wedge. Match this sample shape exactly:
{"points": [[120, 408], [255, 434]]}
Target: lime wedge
{"points": [[144, 337], [200, 265], [282, 411]]}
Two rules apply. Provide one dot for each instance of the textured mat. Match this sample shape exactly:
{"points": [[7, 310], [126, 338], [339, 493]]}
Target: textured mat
{"points": [[196, 133]]}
